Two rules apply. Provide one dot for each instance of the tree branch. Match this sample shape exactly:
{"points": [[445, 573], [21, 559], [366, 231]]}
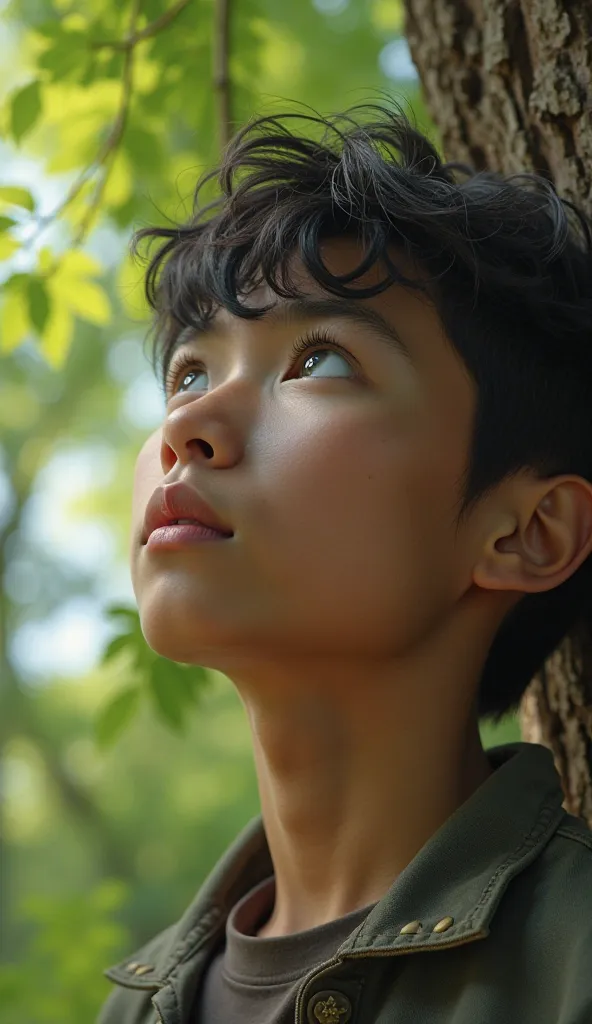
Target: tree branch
{"points": [[152, 29], [107, 150], [112, 141], [76, 798], [18, 717], [221, 76]]}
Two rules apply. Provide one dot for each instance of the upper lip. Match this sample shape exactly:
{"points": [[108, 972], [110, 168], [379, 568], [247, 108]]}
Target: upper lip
{"points": [[179, 501]]}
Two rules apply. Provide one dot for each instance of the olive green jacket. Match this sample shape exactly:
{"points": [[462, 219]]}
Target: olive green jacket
{"points": [[490, 923]]}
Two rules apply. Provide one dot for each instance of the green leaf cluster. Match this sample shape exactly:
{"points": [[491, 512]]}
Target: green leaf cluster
{"points": [[123, 98], [173, 688], [72, 939]]}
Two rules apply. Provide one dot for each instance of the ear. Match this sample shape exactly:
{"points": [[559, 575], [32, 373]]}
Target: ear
{"points": [[542, 541]]}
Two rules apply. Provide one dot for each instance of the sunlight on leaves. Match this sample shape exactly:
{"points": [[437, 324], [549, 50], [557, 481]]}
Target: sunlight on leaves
{"points": [[58, 333], [14, 319], [130, 288], [88, 301], [73, 294], [120, 182], [14, 195], [282, 56], [388, 15], [8, 246]]}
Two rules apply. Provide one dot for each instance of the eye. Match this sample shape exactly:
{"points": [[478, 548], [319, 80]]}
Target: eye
{"points": [[326, 355], [176, 375]]}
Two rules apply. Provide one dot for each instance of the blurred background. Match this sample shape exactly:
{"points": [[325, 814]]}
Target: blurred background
{"points": [[122, 777]]}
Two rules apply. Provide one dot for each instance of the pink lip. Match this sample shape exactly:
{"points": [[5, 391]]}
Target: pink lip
{"points": [[173, 537], [180, 501]]}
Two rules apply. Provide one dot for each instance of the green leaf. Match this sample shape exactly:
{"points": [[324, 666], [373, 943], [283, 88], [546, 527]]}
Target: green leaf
{"points": [[144, 148], [167, 694], [6, 223], [195, 679], [8, 246], [62, 59], [25, 109], [39, 303], [113, 718], [90, 302], [51, 29], [17, 196], [119, 611], [15, 282], [119, 643]]}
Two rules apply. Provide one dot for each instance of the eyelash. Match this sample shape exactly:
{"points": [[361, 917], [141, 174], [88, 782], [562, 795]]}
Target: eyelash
{"points": [[318, 338]]}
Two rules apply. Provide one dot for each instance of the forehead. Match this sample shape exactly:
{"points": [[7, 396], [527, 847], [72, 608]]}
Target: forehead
{"points": [[411, 313], [341, 257], [447, 394], [380, 314], [408, 313]]}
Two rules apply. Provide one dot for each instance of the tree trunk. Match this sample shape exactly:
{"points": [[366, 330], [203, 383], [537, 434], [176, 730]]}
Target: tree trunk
{"points": [[508, 84]]}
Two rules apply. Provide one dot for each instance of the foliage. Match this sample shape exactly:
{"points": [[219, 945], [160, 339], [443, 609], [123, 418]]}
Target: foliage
{"points": [[121, 99], [121, 109], [61, 982], [124, 102], [173, 687]]}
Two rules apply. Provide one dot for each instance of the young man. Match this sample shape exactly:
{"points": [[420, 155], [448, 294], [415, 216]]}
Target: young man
{"points": [[379, 409]]}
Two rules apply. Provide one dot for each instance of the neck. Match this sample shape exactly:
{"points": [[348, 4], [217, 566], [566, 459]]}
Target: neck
{"points": [[358, 766], [360, 763]]}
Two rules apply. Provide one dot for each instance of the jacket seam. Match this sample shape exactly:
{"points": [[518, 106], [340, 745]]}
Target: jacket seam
{"points": [[192, 941], [570, 832], [529, 841]]}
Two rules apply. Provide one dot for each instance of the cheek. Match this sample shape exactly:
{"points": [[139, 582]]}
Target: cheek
{"points": [[148, 475], [357, 531]]}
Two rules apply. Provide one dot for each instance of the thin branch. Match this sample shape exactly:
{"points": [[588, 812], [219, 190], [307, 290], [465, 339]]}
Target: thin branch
{"points": [[77, 798], [109, 147], [152, 29], [221, 75], [19, 717], [115, 135]]}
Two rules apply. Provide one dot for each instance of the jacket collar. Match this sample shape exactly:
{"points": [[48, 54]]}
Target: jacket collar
{"points": [[461, 873]]}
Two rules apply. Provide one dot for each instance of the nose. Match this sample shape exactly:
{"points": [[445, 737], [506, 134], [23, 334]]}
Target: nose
{"points": [[203, 429]]}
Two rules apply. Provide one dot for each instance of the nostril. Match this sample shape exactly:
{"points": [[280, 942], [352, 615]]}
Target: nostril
{"points": [[206, 448]]}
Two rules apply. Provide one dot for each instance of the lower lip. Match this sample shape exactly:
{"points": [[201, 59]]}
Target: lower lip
{"points": [[179, 536]]}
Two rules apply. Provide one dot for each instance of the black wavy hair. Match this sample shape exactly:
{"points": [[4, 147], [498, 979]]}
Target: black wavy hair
{"points": [[508, 267]]}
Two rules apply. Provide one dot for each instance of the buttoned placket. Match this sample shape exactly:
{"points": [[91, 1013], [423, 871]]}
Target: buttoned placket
{"points": [[343, 1010]]}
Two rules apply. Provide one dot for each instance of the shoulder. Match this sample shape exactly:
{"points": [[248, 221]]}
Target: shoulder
{"points": [[554, 894], [567, 857], [574, 830]]}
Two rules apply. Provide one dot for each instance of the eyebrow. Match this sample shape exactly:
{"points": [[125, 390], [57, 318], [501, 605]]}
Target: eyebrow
{"points": [[306, 308]]}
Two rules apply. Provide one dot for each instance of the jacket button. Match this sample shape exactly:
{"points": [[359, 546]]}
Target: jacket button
{"points": [[144, 969], [443, 925], [330, 1007], [411, 929]]}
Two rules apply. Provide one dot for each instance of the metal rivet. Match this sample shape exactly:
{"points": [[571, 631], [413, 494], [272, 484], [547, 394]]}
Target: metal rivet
{"points": [[144, 968], [443, 925], [132, 966], [330, 1007], [411, 928]]}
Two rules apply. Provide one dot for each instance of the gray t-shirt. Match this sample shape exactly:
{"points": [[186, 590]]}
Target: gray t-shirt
{"points": [[253, 980]]}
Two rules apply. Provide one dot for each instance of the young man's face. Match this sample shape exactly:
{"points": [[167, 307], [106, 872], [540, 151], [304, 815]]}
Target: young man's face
{"points": [[339, 476]]}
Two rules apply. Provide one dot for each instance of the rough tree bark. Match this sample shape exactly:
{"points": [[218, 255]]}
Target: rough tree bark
{"points": [[508, 83]]}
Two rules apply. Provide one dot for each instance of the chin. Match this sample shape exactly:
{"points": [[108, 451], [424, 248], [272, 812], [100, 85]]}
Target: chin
{"points": [[189, 642]]}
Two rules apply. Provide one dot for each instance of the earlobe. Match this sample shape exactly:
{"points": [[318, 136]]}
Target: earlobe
{"points": [[544, 544]]}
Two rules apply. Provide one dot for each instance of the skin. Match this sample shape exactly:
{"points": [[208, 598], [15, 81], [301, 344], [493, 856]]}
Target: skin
{"points": [[351, 613]]}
